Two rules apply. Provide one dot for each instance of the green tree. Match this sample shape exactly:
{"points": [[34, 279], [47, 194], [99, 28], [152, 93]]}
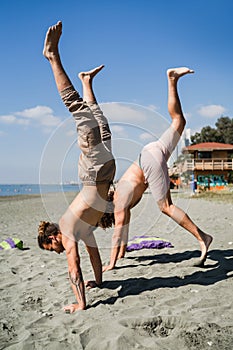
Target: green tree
{"points": [[222, 133], [207, 134], [224, 127]]}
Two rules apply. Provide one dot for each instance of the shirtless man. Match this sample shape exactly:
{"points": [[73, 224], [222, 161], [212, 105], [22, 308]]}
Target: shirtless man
{"points": [[96, 171], [150, 170]]}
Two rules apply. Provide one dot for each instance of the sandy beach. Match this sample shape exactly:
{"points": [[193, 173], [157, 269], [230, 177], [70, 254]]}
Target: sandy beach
{"points": [[154, 299]]}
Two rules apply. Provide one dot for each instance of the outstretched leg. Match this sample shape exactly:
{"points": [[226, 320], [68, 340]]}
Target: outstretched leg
{"points": [[169, 140], [179, 216], [174, 105], [87, 80], [51, 52], [85, 121], [89, 97]]}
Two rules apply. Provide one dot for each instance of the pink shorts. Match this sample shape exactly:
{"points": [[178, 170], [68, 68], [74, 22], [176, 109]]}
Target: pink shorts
{"points": [[153, 162]]}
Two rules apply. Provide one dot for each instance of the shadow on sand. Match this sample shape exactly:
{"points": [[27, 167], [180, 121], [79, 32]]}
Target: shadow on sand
{"points": [[209, 275]]}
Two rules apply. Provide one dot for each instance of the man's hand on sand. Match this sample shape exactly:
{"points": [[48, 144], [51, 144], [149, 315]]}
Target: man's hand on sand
{"points": [[107, 268]]}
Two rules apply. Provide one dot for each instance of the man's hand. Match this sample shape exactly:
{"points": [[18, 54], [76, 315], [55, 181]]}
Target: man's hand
{"points": [[107, 268]]}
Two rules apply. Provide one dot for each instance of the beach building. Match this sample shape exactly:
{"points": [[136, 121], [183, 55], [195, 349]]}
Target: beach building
{"points": [[210, 164]]}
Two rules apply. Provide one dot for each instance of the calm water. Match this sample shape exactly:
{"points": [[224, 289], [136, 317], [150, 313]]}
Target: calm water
{"points": [[14, 190]]}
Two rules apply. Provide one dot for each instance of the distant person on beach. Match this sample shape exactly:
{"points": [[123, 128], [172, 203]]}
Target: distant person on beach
{"points": [[96, 171], [150, 170]]}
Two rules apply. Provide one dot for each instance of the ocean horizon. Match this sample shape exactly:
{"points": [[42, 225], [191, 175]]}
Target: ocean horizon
{"points": [[28, 189]]}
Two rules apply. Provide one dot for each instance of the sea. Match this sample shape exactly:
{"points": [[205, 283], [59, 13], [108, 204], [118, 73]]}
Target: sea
{"points": [[24, 189]]}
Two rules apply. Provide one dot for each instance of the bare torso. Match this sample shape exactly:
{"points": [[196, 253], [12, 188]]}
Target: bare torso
{"points": [[84, 212], [130, 188]]}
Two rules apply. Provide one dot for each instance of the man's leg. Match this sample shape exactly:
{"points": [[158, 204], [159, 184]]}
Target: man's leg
{"points": [[105, 157], [89, 97], [171, 137], [86, 124], [70, 96], [87, 81], [51, 52], [174, 105], [178, 124], [181, 218]]}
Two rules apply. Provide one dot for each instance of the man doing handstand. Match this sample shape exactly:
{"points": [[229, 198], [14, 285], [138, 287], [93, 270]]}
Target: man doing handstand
{"points": [[96, 171]]}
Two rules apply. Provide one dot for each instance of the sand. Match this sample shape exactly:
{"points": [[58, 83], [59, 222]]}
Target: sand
{"points": [[154, 299]]}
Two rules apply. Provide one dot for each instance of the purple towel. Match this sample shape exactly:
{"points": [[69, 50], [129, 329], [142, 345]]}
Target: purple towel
{"points": [[140, 242]]}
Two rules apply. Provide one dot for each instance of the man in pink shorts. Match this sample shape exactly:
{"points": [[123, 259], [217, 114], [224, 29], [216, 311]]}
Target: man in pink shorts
{"points": [[151, 171]]}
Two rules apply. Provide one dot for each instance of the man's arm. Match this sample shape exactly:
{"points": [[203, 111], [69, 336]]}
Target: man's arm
{"points": [[119, 238], [76, 278], [95, 259]]}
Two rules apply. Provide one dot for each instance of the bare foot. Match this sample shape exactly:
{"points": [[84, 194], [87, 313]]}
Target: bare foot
{"points": [[69, 309], [87, 76], [207, 240], [90, 284], [176, 73], [51, 40]]}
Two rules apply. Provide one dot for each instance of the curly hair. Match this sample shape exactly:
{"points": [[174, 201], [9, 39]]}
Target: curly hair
{"points": [[108, 219], [45, 230]]}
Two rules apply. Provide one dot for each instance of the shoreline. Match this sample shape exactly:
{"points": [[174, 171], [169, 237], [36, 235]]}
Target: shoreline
{"points": [[183, 192]]}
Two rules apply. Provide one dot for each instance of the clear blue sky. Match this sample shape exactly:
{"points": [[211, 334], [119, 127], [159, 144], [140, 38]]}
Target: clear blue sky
{"points": [[137, 40]]}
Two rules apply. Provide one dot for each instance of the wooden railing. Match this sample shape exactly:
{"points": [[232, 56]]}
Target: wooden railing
{"points": [[202, 164]]}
